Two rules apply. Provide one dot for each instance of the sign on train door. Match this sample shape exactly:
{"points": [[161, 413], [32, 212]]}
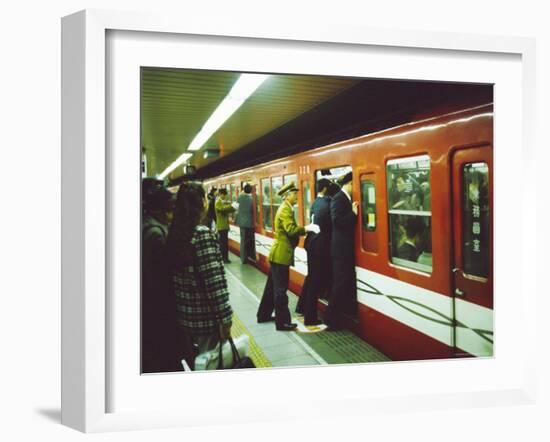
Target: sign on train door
{"points": [[472, 272]]}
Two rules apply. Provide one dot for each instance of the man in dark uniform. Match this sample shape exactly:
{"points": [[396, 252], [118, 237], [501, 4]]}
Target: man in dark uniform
{"points": [[317, 246], [343, 293], [281, 257]]}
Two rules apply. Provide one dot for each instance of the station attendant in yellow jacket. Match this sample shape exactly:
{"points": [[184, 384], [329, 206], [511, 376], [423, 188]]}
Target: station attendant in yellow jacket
{"points": [[281, 257], [223, 209]]}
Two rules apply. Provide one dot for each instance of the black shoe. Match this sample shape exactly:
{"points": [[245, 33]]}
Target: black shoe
{"points": [[314, 322], [286, 327], [262, 320]]}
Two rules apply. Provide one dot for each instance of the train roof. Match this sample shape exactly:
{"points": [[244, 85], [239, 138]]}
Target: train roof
{"points": [[422, 119]]}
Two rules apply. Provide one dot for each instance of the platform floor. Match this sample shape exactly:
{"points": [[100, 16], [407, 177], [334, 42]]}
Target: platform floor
{"points": [[271, 348]]}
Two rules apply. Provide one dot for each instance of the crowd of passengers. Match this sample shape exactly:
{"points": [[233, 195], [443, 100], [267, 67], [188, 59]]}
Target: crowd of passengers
{"points": [[185, 297]]}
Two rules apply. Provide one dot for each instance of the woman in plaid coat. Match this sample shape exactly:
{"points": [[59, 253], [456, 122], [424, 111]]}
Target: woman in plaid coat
{"points": [[197, 272]]}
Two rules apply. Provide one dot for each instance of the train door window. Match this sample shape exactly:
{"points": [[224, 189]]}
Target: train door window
{"points": [[276, 184], [306, 199], [409, 211], [266, 203], [368, 213], [475, 246], [287, 179], [256, 202], [333, 174]]}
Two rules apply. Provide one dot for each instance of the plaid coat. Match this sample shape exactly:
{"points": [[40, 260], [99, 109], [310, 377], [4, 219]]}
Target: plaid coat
{"points": [[201, 289]]}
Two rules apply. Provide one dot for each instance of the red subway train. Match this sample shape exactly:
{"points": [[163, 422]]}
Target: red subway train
{"points": [[434, 173]]}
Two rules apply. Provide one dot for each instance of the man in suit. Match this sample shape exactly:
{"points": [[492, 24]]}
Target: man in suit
{"points": [[281, 257], [410, 248], [343, 297], [245, 220], [211, 212], [223, 209], [318, 254]]}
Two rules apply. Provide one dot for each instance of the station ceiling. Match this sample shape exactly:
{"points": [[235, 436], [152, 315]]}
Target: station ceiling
{"points": [[175, 104], [285, 115]]}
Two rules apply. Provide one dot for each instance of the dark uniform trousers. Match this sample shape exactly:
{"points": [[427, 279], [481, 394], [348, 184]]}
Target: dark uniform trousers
{"points": [[342, 306], [317, 284], [224, 247], [274, 296]]}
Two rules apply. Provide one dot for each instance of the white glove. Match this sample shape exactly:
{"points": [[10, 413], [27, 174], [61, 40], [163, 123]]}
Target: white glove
{"points": [[235, 205], [312, 228]]}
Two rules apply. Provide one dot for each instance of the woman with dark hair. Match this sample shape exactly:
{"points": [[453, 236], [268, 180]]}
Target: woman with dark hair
{"points": [[197, 272], [160, 349]]}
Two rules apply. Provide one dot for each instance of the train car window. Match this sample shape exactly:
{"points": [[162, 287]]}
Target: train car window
{"points": [[475, 219], [333, 174], [266, 203], [409, 211], [287, 179], [368, 205], [306, 195], [276, 184]]}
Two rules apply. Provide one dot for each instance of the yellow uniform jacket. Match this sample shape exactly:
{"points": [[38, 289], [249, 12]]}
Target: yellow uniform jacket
{"points": [[287, 235]]}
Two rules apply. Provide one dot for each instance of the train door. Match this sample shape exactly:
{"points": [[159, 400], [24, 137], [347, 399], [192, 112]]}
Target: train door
{"points": [[472, 271]]}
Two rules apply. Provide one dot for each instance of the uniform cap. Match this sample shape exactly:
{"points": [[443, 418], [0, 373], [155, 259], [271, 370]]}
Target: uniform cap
{"points": [[345, 179], [290, 187]]}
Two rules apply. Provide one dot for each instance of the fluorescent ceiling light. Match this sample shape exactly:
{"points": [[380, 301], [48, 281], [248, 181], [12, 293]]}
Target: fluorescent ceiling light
{"points": [[239, 93], [241, 90], [181, 159]]}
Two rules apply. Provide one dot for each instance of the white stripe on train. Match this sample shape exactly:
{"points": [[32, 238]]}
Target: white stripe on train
{"points": [[421, 309]]}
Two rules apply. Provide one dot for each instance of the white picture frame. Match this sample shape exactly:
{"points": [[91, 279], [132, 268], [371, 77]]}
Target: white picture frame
{"points": [[87, 213]]}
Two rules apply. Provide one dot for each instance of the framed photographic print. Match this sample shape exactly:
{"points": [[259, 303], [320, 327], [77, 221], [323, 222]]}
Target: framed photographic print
{"points": [[415, 134]]}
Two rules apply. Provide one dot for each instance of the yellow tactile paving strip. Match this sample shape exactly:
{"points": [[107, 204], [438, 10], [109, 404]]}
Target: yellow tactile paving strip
{"points": [[256, 353]]}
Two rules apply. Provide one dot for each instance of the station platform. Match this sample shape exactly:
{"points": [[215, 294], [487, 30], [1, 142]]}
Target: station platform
{"points": [[304, 347]]}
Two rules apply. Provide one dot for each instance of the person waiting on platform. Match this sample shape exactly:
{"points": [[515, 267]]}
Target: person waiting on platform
{"points": [[245, 221], [409, 249], [223, 209], [158, 320], [211, 212], [343, 293], [281, 257], [198, 278], [317, 246]]}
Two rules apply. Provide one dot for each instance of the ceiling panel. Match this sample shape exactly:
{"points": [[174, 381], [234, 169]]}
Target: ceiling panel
{"points": [[176, 103]]}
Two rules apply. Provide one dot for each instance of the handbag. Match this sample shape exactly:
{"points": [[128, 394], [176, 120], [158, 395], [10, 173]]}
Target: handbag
{"points": [[238, 361], [233, 353], [236, 352]]}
